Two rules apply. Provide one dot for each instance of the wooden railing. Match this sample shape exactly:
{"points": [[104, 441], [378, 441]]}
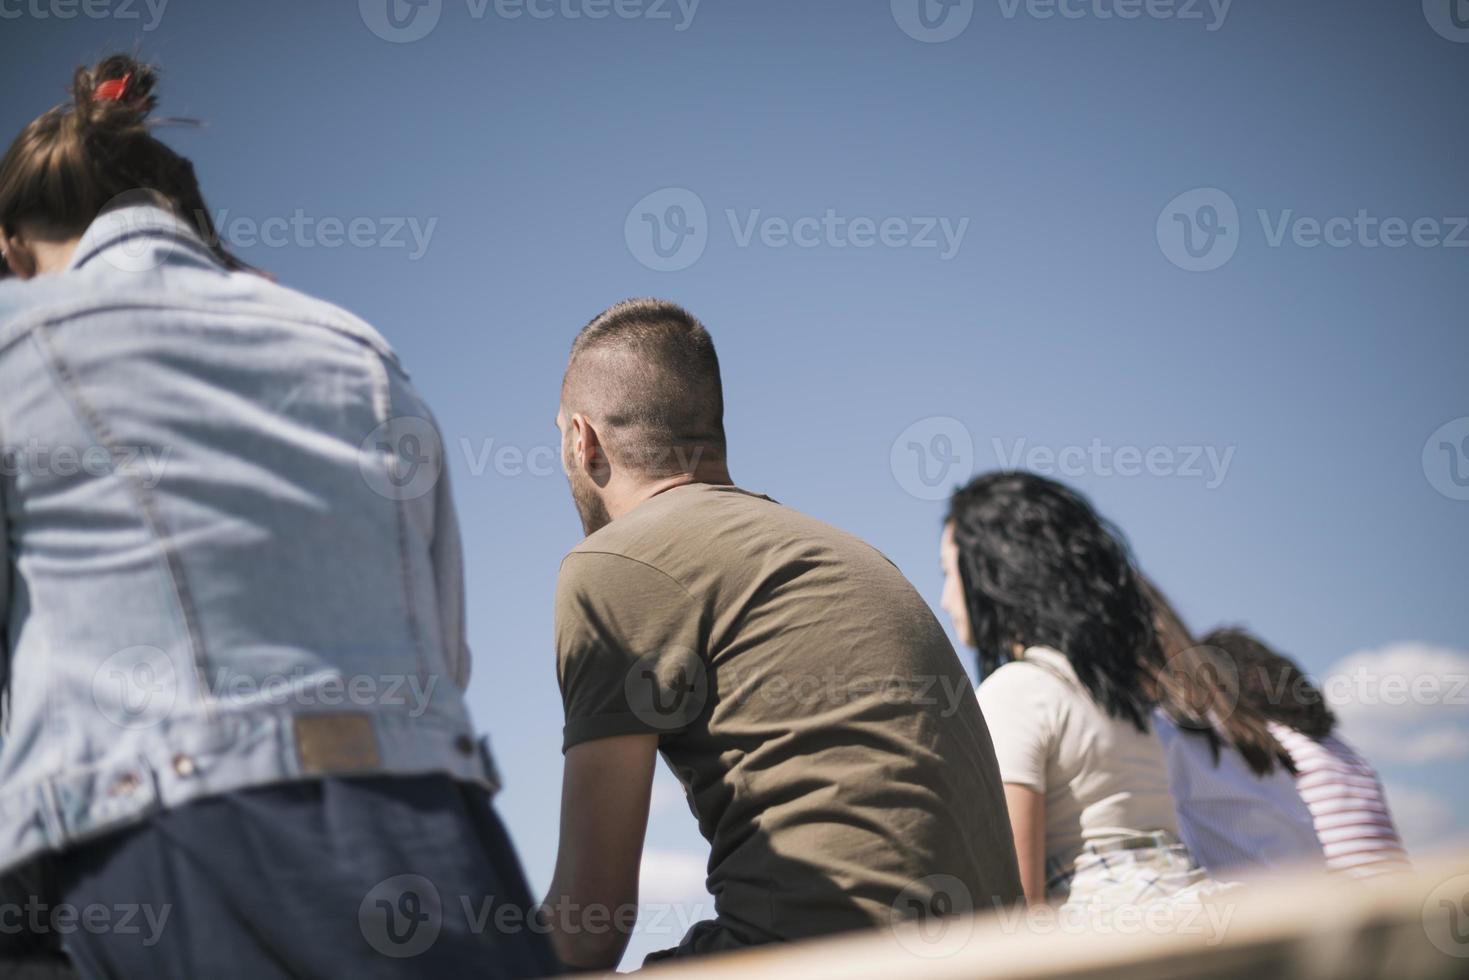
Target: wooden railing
{"points": [[1401, 927]]}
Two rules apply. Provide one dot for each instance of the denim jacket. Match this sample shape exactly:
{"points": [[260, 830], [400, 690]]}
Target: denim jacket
{"points": [[232, 558]]}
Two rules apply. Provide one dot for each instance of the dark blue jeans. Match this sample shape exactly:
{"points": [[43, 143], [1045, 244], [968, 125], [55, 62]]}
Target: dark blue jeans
{"points": [[360, 877]]}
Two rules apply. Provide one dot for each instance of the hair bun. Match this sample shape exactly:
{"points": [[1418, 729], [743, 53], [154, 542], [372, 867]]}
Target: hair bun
{"points": [[118, 90]]}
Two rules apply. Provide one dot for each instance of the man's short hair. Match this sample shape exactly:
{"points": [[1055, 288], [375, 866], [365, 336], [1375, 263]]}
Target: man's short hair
{"points": [[646, 373]]}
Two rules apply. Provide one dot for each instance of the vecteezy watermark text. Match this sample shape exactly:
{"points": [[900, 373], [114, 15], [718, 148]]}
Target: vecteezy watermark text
{"points": [[668, 230], [302, 230], [138, 687], [1207, 463], [937, 21], [37, 460], [37, 918], [128, 10], [405, 21], [403, 916], [1200, 230]]}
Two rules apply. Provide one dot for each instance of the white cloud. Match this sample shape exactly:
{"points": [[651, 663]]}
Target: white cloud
{"points": [[668, 793], [672, 878], [1405, 702], [1424, 820], [671, 898]]}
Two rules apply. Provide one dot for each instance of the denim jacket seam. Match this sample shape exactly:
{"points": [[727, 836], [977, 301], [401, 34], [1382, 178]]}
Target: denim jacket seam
{"points": [[5, 610], [53, 314], [147, 511], [383, 408]]}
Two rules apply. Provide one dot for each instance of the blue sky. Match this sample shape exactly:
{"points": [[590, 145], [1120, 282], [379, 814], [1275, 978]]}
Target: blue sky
{"points": [[1207, 263]]}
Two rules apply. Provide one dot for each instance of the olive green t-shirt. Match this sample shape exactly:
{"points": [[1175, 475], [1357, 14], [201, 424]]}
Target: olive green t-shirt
{"points": [[827, 736]]}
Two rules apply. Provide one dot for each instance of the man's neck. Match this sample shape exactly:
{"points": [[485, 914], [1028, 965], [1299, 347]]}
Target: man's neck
{"points": [[635, 497]]}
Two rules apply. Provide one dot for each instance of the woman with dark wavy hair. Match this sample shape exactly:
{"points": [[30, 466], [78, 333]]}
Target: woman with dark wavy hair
{"points": [[1045, 590]]}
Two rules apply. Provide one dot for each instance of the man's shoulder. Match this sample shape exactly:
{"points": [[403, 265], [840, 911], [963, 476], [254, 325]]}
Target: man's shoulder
{"points": [[674, 534], [691, 532], [680, 514]]}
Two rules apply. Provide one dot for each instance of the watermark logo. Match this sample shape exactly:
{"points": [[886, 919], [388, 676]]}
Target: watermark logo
{"points": [[933, 21], [136, 687], [402, 916], [402, 459], [401, 21], [136, 234], [1199, 229], [1449, 19], [932, 456], [1446, 917], [1203, 682], [933, 916], [668, 230], [1446, 459], [668, 690]]}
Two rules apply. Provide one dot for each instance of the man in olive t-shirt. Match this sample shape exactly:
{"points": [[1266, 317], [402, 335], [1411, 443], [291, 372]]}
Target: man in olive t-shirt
{"points": [[799, 687]]}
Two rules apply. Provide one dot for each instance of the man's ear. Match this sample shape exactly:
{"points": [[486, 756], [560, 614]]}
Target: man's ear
{"points": [[588, 450]]}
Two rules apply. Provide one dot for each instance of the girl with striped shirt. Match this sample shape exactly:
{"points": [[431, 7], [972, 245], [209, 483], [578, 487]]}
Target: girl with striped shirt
{"points": [[1340, 788]]}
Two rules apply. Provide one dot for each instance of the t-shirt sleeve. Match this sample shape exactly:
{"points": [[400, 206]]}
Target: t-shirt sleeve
{"points": [[627, 650], [1018, 703]]}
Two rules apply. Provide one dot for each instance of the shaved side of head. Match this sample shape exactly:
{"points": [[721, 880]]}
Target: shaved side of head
{"points": [[646, 374]]}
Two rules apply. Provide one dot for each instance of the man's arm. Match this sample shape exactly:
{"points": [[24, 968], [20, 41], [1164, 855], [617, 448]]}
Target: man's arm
{"points": [[605, 792], [625, 640]]}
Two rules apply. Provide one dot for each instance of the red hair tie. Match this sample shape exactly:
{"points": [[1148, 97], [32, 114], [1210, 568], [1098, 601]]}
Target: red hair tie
{"points": [[114, 90]]}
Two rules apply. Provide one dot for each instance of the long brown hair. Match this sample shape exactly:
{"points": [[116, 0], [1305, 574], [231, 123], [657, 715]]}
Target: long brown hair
{"points": [[1272, 684], [1198, 687], [76, 161]]}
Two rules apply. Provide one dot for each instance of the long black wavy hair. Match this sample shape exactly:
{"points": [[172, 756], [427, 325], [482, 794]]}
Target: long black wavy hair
{"points": [[1041, 568]]}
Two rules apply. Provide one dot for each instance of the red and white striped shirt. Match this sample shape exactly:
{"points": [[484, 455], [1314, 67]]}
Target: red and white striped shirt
{"points": [[1347, 805]]}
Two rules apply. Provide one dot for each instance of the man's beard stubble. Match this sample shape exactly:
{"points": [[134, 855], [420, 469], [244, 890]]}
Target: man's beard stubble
{"points": [[589, 505]]}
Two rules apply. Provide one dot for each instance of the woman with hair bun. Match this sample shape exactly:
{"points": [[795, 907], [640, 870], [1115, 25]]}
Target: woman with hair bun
{"points": [[1046, 592], [232, 643], [77, 162]]}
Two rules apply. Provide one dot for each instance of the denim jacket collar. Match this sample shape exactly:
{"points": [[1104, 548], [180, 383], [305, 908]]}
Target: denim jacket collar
{"points": [[137, 238]]}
